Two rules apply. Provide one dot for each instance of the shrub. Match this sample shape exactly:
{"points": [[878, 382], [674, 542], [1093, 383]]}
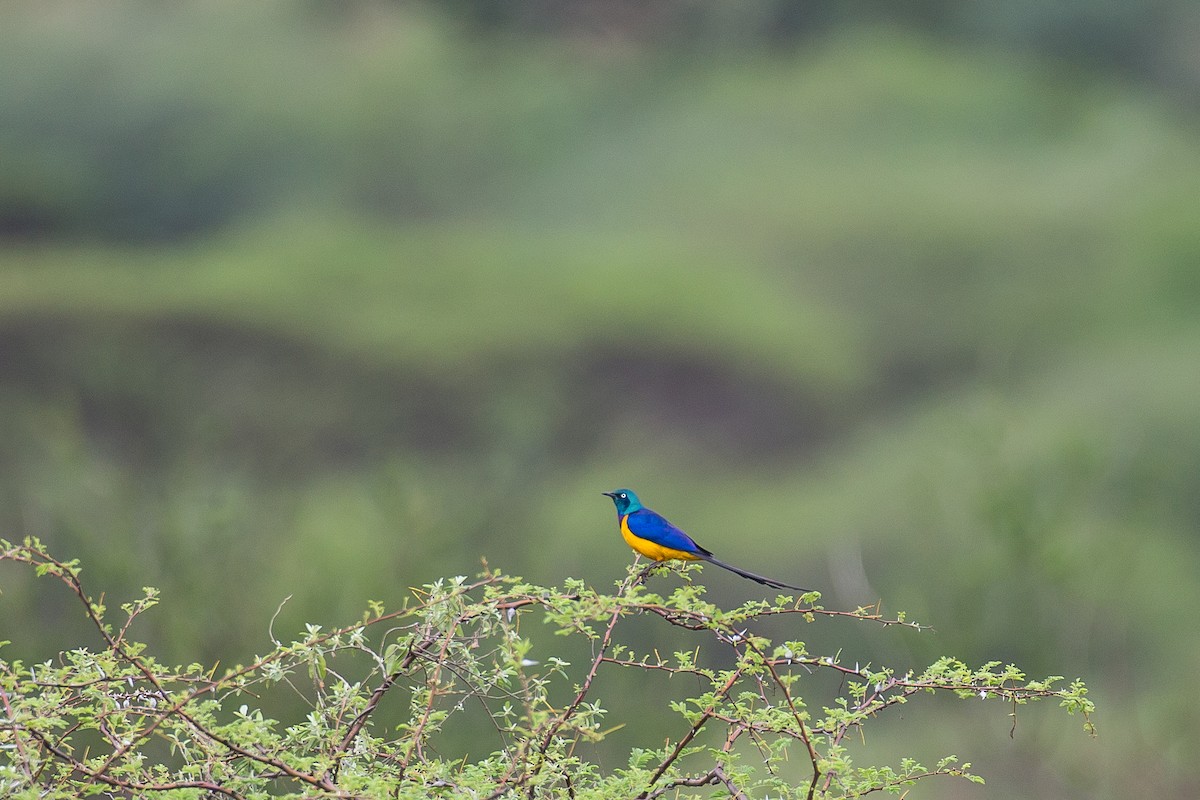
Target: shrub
{"points": [[115, 720]]}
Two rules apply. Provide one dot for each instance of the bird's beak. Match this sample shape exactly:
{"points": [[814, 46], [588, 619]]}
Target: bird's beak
{"points": [[609, 494]]}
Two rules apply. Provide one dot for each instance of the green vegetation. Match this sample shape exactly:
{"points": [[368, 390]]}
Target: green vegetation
{"points": [[325, 305], [90, 721]]}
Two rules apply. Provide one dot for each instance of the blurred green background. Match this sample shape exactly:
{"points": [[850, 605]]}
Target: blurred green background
{"points": [[898, 301]]}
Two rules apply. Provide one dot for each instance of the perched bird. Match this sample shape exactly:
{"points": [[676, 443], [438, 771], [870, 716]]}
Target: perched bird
{"points": [[650, 534]]}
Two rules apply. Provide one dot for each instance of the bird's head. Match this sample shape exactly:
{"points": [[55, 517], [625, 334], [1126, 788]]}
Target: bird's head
{"points": [[626, 501]]}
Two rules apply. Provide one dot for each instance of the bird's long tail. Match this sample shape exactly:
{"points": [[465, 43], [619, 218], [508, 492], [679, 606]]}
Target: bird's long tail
{"points": [[774, 584]]}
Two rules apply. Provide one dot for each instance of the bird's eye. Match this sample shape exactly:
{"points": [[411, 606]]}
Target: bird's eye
{"points": [[622, 495]]}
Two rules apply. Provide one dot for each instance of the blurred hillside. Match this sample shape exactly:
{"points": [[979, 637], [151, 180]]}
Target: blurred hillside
{"points": [[322, 303]]}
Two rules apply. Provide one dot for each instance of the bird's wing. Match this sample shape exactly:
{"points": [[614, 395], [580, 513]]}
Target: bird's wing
{"points": [[654, 527]]}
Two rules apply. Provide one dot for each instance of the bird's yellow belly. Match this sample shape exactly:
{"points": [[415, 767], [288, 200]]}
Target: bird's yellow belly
{"points": [[650, 549]]}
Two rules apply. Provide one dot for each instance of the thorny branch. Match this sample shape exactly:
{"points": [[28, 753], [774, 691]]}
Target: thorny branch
{"points": [[457, 641]]}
